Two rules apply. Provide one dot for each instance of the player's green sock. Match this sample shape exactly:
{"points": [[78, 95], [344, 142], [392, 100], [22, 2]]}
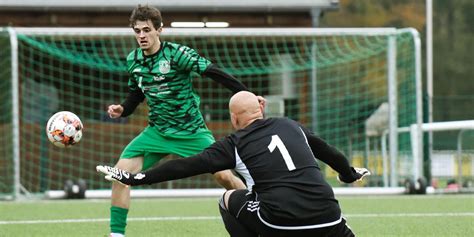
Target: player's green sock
{"points": [[118, 219]]}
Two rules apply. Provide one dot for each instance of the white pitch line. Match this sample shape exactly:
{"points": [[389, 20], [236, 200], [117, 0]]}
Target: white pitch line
{"points": [[163, 218], [195, 218], [454, 214]]}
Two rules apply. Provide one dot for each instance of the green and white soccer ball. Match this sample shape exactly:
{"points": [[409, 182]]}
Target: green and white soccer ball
{"points": [[64, 129]]}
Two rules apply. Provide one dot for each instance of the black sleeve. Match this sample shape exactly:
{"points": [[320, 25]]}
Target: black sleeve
{"points": [[215, 158], [328, 154], [134, 98], [227, 80]]}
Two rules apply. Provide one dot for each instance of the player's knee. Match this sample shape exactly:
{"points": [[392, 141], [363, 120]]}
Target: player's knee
{"points": [[133, 165], [224, 200], [223, 206]]}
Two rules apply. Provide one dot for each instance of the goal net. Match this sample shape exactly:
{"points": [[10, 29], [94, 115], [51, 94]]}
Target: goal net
{"points": [[330, 80]]}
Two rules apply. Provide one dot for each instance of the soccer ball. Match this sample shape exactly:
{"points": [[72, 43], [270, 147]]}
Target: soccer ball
{"points": [[64, 129]]}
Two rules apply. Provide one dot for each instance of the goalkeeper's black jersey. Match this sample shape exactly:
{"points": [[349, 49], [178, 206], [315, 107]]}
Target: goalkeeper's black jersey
{"points": [[276, 157]]}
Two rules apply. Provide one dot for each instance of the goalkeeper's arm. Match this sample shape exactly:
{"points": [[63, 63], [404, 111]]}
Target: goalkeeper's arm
{"points": [[334, 158], [170, 170], [212, 159]]}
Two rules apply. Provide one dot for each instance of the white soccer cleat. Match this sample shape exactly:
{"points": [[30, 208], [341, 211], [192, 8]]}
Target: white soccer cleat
{"points": [[116, 235]]}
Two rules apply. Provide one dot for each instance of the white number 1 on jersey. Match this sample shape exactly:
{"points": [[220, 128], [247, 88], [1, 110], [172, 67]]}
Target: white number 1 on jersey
{"points": [[277, 142]]}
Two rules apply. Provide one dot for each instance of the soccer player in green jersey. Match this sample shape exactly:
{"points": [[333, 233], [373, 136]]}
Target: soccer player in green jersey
{"points": [[160, 72]]}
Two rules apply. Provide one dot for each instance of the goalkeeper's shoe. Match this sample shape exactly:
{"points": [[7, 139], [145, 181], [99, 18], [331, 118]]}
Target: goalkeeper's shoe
{"points": [[357, 175], [115, 174]]}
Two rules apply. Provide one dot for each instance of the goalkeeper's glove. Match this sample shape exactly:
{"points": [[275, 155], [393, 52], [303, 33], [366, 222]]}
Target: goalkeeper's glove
{"points": [[357, 175], [119, 175]]}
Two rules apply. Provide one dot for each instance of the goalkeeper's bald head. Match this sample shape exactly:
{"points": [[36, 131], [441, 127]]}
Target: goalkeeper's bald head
{"points": [[244, 108]]}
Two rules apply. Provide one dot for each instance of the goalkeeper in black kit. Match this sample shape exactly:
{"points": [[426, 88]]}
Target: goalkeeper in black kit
{"points": [[286, 192]]}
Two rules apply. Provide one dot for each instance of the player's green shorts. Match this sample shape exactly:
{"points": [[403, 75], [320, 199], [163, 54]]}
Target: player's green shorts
{"points": [[153, 145]]}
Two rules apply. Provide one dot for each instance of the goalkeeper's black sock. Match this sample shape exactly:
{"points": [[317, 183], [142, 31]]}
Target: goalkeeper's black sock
{"points": [[118, 219]]}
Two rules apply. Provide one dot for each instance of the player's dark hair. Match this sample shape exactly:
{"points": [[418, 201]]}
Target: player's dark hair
{"points": [[145, 13]]}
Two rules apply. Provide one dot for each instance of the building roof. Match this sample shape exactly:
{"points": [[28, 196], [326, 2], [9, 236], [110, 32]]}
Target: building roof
{"points": [[174, 5]]}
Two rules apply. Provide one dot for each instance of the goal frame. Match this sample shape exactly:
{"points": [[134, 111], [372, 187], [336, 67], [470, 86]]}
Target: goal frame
{"points": [[391, 33]]}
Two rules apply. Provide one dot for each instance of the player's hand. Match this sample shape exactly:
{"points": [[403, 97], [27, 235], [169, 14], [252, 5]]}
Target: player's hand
{"points": [[115, 174], [357, 175], [115, 111]]}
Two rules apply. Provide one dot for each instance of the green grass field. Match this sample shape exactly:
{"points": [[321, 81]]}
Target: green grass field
{"points": [[431, 215]]}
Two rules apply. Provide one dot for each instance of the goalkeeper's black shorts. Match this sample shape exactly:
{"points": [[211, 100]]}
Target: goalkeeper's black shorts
{"points": [[245, 207]]}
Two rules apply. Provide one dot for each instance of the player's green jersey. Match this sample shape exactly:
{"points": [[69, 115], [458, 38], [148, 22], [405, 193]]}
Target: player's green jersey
{"points": [[165, 79]]}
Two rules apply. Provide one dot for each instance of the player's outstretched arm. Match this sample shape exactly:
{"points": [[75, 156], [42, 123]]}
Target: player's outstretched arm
{"points": [[211, 160], [229, 81], [170, 170], [215, 158], [225, 79]]}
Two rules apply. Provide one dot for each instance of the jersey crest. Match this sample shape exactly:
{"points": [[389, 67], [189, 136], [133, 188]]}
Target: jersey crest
{"points": [[164, 66]]}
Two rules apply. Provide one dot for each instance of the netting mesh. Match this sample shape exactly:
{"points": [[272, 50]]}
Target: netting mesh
{"points": [[329, 83]]}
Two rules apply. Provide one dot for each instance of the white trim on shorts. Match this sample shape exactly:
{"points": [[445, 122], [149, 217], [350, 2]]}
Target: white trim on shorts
{"points": [[303, 227]]}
